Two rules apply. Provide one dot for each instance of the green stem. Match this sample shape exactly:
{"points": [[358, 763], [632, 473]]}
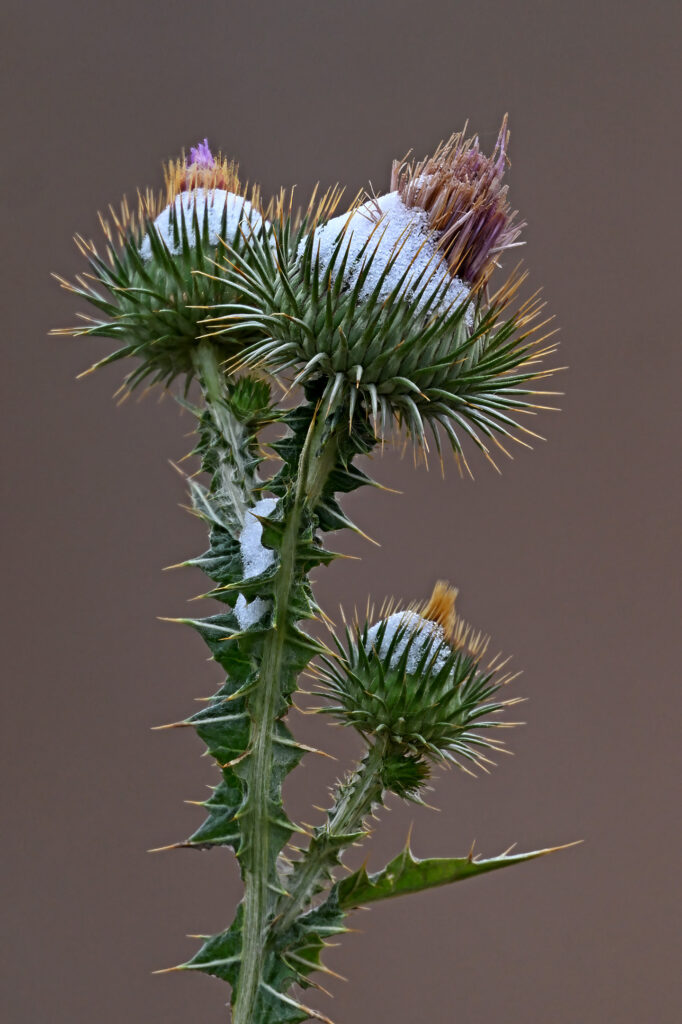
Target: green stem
{"points": [[317, 459], [233, 470], [354, 804]]}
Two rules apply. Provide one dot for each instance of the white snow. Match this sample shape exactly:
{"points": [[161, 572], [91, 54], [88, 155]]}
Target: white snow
{"points": [[421, 634], [255, 557], [255, 560], [250, 612], [239, 212], [391, 229]]}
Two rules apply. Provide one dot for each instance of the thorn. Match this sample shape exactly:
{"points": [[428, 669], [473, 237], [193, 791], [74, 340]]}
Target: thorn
{"points": [[549, 849], [236, 760], [86, 373], [564, 846], [314, 750]]}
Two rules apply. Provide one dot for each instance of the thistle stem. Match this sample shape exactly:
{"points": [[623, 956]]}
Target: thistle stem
{"points": [[346, 817], [234, 474], [316, 462]]}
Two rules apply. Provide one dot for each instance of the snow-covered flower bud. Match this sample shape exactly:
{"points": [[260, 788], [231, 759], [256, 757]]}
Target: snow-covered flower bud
{"points": [[435, 238], [415, 677], [159, 267], [386, 305]]}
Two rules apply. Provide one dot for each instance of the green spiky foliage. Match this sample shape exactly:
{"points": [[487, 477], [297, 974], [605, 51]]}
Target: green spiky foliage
{"points": [[237, 316]]}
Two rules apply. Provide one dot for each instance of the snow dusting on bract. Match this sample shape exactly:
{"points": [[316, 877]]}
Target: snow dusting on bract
{"points": [[420, 633], [383, 229], [255, 559], [241, 215]]}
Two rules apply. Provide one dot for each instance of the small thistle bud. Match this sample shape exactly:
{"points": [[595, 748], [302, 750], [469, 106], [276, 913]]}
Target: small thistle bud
{"points": [[415, 677], [461, 192], [159, 268]]}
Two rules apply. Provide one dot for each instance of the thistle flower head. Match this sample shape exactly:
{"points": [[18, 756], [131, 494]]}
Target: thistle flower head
{"points": [[416, 677], [461, 191], [385, 305], [159, 267]]}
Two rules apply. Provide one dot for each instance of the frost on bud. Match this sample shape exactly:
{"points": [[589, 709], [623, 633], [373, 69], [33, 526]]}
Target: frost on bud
{"points": [[416, 678], [389, 249], [461, 192], [417, 634]]}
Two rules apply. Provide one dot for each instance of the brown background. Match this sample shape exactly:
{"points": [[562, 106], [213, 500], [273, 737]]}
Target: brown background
{"points": [[567, 558]]}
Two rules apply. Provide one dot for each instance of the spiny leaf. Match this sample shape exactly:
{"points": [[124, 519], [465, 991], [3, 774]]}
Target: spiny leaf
{"points": [[407, 873]]}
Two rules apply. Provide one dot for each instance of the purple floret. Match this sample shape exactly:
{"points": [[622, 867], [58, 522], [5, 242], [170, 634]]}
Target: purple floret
{"points": [[201, 155]]}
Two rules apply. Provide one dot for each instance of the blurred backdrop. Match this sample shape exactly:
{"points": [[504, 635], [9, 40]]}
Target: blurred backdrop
{"points": [[567, 558]]}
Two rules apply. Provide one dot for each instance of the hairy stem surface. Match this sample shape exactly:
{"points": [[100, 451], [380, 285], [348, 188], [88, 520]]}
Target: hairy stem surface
{"points": [[355, 802], [212, 380]]}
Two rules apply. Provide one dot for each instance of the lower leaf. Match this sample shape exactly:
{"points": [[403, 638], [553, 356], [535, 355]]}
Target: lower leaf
{"points": [[407, 873]]}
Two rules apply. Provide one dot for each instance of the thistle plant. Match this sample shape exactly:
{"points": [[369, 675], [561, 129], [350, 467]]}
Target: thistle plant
{"points": [[382, 322]]}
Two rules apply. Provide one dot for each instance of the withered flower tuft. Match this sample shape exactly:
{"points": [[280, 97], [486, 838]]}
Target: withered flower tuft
{"points": [[203, 170], [462, 193]]}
